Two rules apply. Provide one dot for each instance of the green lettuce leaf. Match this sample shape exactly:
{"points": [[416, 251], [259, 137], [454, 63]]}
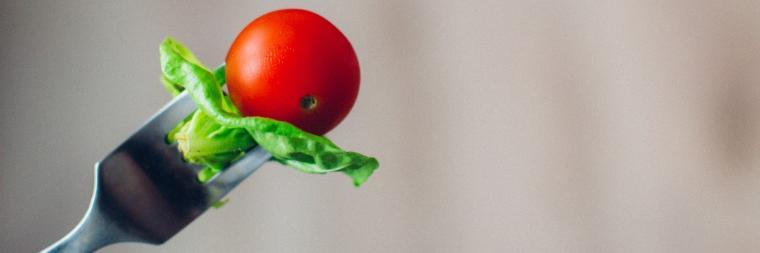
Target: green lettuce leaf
{"points": [[216, 134]]}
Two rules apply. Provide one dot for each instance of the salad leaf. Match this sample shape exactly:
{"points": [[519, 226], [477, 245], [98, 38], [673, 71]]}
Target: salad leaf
{"points": [[216, 134]]}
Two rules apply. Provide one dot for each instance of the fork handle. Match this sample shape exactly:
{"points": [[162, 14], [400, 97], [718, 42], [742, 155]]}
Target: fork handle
{"points": [[93, 232], [96, 229], [86, 237]]}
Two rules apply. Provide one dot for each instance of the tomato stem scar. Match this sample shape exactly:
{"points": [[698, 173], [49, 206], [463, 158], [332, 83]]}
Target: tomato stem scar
{"points": [[308, 102]]}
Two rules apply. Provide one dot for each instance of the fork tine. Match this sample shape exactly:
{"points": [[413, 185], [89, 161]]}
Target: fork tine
{"points": [[236, 173]]}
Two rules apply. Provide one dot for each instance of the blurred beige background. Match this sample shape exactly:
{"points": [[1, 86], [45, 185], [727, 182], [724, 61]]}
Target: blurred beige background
{"points": [[501, 126]]}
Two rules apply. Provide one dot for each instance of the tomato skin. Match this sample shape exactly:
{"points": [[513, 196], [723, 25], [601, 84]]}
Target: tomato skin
{"points": [[287, 57]]}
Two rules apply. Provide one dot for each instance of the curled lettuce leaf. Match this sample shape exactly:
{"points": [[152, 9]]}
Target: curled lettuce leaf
{"points": [[216, 134]]}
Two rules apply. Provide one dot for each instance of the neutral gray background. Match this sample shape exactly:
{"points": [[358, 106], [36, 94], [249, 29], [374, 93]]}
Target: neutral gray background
{"points": [[501, 126]]}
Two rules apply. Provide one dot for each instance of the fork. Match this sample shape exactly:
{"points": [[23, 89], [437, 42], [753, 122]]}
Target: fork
{"points": [[144, 191]]}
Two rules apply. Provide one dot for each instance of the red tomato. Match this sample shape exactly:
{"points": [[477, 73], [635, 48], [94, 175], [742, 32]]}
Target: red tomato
{"points": [[295, 66]]}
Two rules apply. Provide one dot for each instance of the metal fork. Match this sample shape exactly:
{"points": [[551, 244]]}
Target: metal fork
{"points": [[144, 192]]}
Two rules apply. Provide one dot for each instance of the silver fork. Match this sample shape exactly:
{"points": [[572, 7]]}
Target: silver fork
{"points": [[144, 192]]}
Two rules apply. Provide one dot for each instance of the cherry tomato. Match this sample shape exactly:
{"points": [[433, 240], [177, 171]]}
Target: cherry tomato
{"points": [[293, 65]]}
